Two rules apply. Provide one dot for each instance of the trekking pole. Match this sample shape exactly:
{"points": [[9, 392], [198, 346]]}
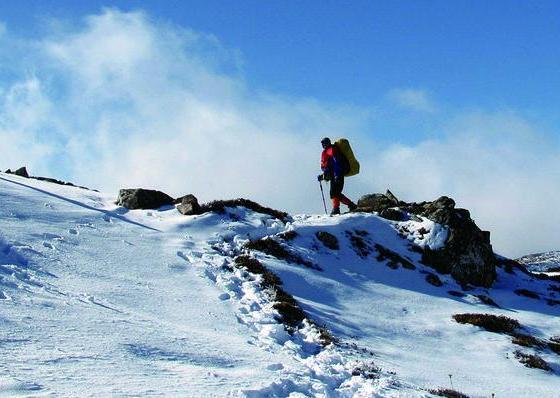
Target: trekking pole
{"points": [[323, 195]]}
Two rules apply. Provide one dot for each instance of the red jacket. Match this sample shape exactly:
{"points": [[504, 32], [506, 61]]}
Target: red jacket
{"points": [[331, 163]]}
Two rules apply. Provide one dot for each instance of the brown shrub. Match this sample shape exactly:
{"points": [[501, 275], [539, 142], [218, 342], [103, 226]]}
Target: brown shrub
{"points": [[552, 302], [433, 279], [532, 361], [554, 346], [359, 244], [288, 309], [526, 293], [219, 206], [489, 322], [447, 392], [394, 258], [367, 370], [526, 340], [273, 248], [288, 235], [254, 266], [328, 240], [487, 300]]}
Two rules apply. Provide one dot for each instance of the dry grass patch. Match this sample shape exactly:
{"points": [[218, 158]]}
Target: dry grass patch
{"points": [[328, 240], [433, 279], [359, 244], [289, 310], [273, 248], [219, 206], [489, 322], [449, 393], [394, 259], [526, 340], [288, 235], [527, 293], [487, 300], [532, 361]]}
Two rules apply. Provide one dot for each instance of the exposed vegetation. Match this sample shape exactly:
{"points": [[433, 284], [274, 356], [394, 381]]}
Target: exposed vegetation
{"points": [[219, 206], [554, 346], [289, 310], [527, 293], [489, 322], [394, 259], [487, 300], [288, 235], [449, 393], [273, 248], [328, 240], [532, 361], [359, 244], [368, 370], [455, 293], [433, 279], [526, 340]]}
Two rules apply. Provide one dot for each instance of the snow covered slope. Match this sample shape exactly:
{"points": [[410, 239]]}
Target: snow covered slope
{"points": [[542, 262], [97, 301]]}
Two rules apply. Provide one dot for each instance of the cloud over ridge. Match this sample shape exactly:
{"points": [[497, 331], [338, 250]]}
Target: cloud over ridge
{"points": [[123, 100]]}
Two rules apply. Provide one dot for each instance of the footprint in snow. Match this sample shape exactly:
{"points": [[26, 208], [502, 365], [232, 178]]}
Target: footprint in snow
{"points": [[73, 231], [183, 256], [48, 245], [224, 296], [275, 366], [47, 235], [107, 219]]}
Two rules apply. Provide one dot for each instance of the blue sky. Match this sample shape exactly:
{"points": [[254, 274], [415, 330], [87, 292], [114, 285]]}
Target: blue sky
{"points": [[439, 98]]}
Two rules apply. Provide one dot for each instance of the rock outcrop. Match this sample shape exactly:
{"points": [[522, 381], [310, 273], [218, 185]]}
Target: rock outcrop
{"points": [[140, 198], [188, 205], [467, 254]]}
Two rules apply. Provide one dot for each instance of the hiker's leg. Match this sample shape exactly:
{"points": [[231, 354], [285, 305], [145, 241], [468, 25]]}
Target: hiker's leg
{"points": [[335, 203]]}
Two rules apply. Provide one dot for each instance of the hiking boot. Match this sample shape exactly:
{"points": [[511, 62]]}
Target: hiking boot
{"points": [[335, 211], [352, 206]]}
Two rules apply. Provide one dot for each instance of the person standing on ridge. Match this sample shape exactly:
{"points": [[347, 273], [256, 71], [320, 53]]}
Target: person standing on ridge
{"points": [[333, 165]]}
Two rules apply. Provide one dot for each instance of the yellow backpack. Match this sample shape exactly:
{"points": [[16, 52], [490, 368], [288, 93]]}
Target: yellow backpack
{"points": [[353, 165]]}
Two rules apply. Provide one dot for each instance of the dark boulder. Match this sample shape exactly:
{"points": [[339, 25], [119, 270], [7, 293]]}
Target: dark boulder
{"points": [[467, 254], [189, 205], [376, 202], [393, 214], [140, 198], [22, 172]]}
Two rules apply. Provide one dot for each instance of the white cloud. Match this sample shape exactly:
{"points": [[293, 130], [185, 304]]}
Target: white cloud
{"points": [[135, 102], [497, 165], [125, 101], [413, 99]]}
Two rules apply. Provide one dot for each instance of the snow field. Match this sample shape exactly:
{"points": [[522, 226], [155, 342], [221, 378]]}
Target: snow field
{"points": [[99, 301]]}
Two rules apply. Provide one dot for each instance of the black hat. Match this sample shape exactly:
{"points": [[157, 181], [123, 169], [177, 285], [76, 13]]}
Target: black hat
{"points": [[326, 141]]}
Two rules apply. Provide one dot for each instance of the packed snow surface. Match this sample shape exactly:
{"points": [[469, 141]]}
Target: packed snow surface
{"points": [[96, 300]]}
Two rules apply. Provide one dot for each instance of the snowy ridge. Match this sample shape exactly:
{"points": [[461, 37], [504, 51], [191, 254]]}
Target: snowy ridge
{"points": [[101, 301], [542, 262]]}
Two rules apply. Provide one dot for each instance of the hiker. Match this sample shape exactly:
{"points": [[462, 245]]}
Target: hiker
{"points": [[333, 164]]}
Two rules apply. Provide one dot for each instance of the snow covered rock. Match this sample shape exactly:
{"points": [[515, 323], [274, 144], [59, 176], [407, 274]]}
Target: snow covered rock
{"points": [[143, 199], [467, 254]]}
